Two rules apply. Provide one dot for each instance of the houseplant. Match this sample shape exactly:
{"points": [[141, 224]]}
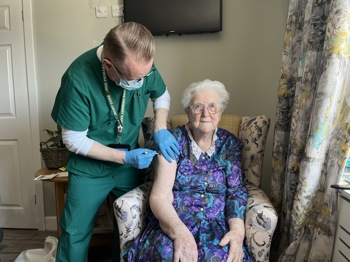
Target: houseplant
{"points": [[54, 152]]}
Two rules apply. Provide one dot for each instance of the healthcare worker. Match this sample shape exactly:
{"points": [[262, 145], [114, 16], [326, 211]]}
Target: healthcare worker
{"points": [[100, 105]]}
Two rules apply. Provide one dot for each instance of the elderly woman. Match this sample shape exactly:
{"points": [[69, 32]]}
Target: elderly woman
{"points": [[198, 201]]}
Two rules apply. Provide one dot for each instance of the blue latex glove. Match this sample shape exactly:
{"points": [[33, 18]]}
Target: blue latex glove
{"points": [[139, 158], [167, 144]]}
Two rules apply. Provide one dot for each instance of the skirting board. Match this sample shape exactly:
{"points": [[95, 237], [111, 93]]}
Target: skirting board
{"points": [[51, 223]]}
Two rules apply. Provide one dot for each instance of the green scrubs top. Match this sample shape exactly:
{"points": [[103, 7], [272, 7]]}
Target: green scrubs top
{"points": [[81, 104]]}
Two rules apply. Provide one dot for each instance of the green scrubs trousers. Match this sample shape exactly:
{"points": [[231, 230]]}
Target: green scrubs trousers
{"points": [[84, 198]]}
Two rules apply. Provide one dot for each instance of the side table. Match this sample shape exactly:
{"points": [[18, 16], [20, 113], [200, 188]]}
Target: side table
{"points": [[61, 187]]}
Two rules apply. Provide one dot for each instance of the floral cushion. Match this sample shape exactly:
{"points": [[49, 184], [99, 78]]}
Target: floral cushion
{"points": [[132, 208]]}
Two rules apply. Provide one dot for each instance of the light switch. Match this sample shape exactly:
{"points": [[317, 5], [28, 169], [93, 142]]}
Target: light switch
{"points": [[101, 11]]}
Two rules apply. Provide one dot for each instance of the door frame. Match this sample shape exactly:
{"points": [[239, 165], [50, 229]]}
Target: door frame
{"points": [[27, 15]]}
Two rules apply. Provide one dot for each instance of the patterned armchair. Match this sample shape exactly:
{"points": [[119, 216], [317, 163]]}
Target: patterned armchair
{"points": [[132, 209]]}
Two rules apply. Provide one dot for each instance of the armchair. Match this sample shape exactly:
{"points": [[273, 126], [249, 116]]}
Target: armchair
{"points": [[132, 209]]}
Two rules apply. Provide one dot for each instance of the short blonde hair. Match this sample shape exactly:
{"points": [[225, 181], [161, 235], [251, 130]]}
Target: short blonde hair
{"points": [[129, 38], [209, 85]]}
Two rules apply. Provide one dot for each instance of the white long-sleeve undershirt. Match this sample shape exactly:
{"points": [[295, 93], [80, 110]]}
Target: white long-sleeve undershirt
{"points": [[77, 141]]}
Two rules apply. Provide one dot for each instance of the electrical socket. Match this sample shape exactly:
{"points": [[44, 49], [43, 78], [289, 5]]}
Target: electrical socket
{"points": [[117, 10]]}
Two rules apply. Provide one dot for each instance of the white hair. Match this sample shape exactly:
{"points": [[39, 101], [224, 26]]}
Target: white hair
{"points": [[206, 85]]}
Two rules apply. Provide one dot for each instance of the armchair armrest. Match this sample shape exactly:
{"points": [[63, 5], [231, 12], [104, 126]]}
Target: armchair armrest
{"points": [[260, 223], [131, 211]]}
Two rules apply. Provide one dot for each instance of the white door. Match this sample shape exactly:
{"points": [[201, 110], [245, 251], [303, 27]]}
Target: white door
{"points": [[18, 160]]}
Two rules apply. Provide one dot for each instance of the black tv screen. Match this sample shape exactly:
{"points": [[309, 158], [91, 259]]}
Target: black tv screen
{"points": [[165, 17]]}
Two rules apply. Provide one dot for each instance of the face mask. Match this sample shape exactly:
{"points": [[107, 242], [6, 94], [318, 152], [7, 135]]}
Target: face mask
{"points": [[133, 84]]}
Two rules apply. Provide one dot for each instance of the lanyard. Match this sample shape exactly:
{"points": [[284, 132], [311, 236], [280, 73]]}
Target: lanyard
{"points": [[111, 104]]}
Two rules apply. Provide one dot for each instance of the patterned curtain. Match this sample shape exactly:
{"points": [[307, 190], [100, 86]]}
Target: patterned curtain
{"points": [[311, 136]]}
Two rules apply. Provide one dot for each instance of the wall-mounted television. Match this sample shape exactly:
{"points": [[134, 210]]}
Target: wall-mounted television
{"points": [[165, 17]]}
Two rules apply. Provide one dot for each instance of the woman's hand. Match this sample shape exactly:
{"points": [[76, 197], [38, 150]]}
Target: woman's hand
{"points": [[185, 247], [234, 238]]}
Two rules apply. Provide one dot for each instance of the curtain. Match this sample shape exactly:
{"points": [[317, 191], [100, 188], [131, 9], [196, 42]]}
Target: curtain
{"points": [[311, 135]]}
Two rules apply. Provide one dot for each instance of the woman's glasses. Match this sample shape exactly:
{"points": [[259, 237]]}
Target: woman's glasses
{"points": [[199, 108]]}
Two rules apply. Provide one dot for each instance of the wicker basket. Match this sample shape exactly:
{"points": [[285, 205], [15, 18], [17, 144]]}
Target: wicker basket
{"points": [[54, 157]]}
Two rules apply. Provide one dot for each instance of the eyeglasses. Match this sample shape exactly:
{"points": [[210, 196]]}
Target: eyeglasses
{"points": [[199, 108], [128, 82]]}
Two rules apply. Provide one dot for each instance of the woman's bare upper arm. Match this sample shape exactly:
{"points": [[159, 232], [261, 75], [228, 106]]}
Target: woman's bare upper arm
{"points": [[164, 178]]}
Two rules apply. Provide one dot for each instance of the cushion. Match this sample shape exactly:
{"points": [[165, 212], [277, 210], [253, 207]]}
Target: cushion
{"points": [[228, 121], [147, 127]]}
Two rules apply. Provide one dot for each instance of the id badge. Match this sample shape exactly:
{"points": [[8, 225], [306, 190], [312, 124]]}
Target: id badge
{"points": [[123, 147]]}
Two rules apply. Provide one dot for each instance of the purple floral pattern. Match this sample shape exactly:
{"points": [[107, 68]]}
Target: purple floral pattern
{"points": [[207, 192]]}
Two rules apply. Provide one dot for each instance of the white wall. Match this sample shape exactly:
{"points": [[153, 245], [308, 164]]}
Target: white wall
{"points": [[245, 56]]}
